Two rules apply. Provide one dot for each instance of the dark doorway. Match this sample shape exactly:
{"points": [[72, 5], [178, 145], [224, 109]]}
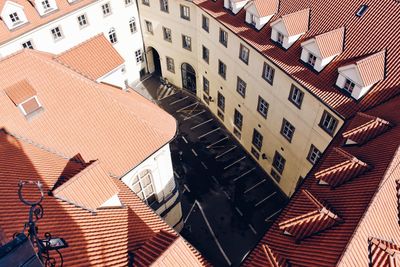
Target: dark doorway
{"points": [[154, 61], [188, 78]]}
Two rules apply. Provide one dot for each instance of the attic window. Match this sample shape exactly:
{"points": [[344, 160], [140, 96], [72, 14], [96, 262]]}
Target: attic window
{"points": [[46, 5], [311, 59], [349, 86], [361, 11], [15, 18]]}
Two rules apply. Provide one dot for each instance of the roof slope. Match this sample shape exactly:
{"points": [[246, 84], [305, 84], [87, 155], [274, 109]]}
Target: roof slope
{"points": [[330, 43], [101, 239], [87, 58], [296, 22], [367, 204], [80, 116], [266, 7], [20, 91], [376, 30], [372, 68]]}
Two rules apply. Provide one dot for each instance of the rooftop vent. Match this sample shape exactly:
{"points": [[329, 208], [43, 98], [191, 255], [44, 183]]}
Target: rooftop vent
{"points": [[24, 96], [361, 10]]}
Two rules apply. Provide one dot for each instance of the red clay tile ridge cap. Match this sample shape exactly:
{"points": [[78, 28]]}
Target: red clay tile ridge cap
{"points": [[20, 92], [329, 43], [265, 7], [274, 259], [295, 23], [87, 58], [383, 253], [312, 222], [371, 69], [90, 189], [154, 247], [367, 131], [349, 168]]}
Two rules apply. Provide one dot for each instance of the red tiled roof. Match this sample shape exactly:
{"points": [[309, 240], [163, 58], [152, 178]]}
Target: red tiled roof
{"points": [[295, 23], [20, 91], [376, 30], [35, 20], [307, 224], [372, 68], [88, 189], [82, 116], [383, 253], [88, 57], [266, 7], [330, 43], [367, 205], [364, 128], [100, 239], [340, 167], [274, 259]]}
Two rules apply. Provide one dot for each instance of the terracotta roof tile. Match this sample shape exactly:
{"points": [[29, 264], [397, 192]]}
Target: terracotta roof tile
{"points": [[330, 43], [375, 31], [266, 7], [20, 91], [315, 221], [273, 259], [341, 167], [365, 128], [87, 58], [88, 189], [372, 68], [295, 23], [383, 253], [368, 205]]}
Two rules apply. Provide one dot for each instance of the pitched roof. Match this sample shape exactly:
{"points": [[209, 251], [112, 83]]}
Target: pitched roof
{"points": [[295, 23], [367, 205], [103, 239], [364, 36], [266, 7], [273, 259], [383, 253], [339, 167], [82, 116], [329, 43], [20, 91], [372, 68], [87, 58]]}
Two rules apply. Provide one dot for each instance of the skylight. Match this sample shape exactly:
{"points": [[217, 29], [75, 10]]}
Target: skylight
{"points": [[361, 11]]}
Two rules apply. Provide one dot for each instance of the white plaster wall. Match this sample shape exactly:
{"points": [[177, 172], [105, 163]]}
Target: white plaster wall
{"points": [[126, 46], [116, 77], [10, 8], [260, 22]]}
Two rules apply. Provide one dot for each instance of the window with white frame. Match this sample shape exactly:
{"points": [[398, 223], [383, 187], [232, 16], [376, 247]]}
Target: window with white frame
{"points": [[205, 24], [170, 64], [253, 20], [268, 73], [238, 119], [46, 5], [15, 18], [287, 130], [139, 56], [164, 5], [314, 154], [149, 26], [187, 42], [106, 9], [311, 59], [244, 54], [280, 38], [57, 34], [112, 35], [296, 96], [27, 44], [328, 123], [167, 34], [142, 185], [82, 20], [257, 139], [185, 12], [222, 69], [241, 87], [349, 86], [132, 25], [279, 162], [205, 54], [262, 107]]}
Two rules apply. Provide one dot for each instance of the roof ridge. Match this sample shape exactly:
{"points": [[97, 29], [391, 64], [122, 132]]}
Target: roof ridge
{"points": [[307, 9], [360, 127], [275, 260], [370, 56], [313, 199]]}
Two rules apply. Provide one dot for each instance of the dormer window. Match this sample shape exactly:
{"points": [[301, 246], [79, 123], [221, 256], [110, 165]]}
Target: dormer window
{"points": [[46, 5], [259, 12], [359, 77], [311, 59], [24, 96], [288, 28], [320, 50], [13, 15], [234, 5], [253, 20], [14, 18]]}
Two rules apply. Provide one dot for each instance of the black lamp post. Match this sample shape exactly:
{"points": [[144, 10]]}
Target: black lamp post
{"points": [[49, 243]]}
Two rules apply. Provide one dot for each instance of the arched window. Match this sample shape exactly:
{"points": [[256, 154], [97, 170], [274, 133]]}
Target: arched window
{"points": [[132, 25], [142, 185], [112, 35]]}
